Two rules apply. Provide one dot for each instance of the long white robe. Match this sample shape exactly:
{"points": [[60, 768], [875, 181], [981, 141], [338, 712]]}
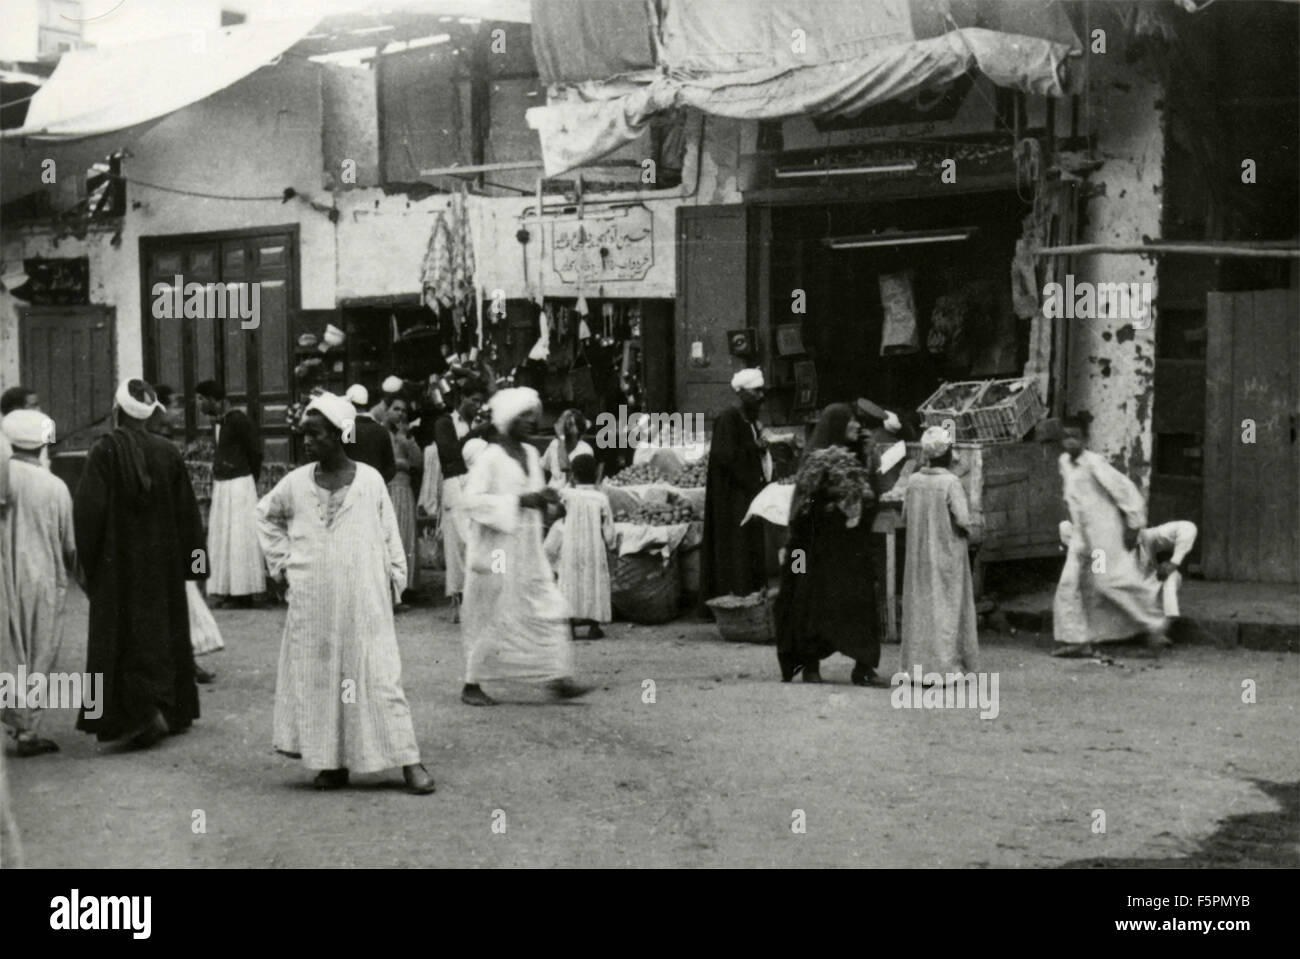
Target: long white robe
{"points": [[585, 536], [1178, 536], [338, 692], [235, 558], [940, 630], [1103, 595], [41, 552], [11, 853], [514, 620]]}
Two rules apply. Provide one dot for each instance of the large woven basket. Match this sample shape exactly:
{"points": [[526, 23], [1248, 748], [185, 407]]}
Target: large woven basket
{"points": [[745, 619], [644, 588]]}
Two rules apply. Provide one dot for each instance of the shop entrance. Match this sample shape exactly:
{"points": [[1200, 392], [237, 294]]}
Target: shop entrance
{"points": [[896, 298]]}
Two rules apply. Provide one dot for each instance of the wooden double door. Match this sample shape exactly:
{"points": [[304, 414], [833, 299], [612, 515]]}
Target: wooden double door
{"points": [[254, 365]]}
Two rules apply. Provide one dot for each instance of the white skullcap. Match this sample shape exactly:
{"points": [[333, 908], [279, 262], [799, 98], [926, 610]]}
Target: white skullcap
{"points": [[392, 384], [334, 408], [508, 405], [935, 441], [132, 407], [358, 395], [750, 379], [28, 429], [472, 448], [1066, 532]]}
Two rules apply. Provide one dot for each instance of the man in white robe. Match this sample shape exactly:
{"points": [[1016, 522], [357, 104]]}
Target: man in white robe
{"points": [[1103, 595], [41, 552], [940, 630], [329, 529], [1164, 577], [514, 619]]}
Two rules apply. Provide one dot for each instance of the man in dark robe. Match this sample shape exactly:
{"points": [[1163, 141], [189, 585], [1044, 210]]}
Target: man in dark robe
{"points": [[139, 538], [739, 467], [370, 442]]}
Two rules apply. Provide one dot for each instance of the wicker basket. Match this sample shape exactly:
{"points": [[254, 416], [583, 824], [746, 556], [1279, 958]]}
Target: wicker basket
{"points": [[745, 619], [644, 588], [986, 411]]}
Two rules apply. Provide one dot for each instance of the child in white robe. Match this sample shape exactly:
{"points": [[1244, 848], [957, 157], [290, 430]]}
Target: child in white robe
{"points": [[584, 554]]}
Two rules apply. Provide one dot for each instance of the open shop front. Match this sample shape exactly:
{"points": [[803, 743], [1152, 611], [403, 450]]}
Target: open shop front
{"points": [[909, 303]]}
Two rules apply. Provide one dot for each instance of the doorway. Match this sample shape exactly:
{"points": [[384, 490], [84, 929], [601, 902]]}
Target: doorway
{"points": [[254, 365]]}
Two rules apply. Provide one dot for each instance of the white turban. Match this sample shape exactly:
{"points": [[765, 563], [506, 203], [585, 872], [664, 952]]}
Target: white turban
{"points": [[508, 405], [28, 429], [472, 448], [750, 379], [935, 441], [391, 384], [358, 395], [132, 407], [334, 408]]}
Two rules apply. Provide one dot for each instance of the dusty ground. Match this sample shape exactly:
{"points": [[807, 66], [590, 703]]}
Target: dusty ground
{"points": [[711, 774]]}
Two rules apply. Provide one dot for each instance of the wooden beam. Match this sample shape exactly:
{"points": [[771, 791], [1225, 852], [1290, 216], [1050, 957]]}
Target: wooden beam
{"points": [[482, 168], [1193, 249]]}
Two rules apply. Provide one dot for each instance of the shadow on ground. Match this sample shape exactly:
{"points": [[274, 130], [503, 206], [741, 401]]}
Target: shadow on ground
{"points": [[1260, 839]]}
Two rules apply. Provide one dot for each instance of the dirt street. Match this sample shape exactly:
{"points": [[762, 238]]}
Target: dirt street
{"points": [[721, 769]]}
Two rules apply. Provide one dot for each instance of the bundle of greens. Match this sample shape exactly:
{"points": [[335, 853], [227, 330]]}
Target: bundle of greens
{"points": [[838, 478]]}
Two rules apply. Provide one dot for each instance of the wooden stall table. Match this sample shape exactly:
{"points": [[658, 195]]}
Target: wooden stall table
{"points": [[888, 521]]}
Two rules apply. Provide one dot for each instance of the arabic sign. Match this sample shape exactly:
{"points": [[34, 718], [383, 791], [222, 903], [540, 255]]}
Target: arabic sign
{"points": [[604, 248]]}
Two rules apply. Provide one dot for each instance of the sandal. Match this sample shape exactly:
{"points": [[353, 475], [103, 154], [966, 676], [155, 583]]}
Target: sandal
{"points": [[567, 689], [421, 786], [36, 746], [331, 779], [474, 696]]}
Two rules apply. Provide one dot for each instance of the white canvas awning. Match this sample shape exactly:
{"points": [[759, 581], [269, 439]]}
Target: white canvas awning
{"points": [[98, 91]]}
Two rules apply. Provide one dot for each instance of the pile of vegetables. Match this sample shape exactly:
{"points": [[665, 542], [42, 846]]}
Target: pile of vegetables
{"points": [[657, 514], [696, 474], [638, 475]]}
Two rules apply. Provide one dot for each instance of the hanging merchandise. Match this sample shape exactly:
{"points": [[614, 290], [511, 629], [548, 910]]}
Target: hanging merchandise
{"points": [[462, 278], [582, 309], [542, 348], [436, 279], [607, 322], [584, 331], [898, 331]]}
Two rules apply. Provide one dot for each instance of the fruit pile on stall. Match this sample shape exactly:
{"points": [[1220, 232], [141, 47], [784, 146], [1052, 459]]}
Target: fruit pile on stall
{"points": [[676, 510]]}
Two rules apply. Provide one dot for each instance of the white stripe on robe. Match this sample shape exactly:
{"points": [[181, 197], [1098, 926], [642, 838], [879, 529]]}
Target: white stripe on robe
{"points": [[338, 692]]}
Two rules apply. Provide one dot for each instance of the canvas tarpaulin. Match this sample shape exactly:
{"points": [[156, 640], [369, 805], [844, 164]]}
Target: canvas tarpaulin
{"points": [[97, 91], [767, 61], [580, 40]]}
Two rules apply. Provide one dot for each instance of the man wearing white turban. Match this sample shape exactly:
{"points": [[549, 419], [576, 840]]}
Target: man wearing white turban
{"points": [[139, 538], [740, 466], [939, 625], [391, 387], [43, 554], [514, 619], [329, 531]]}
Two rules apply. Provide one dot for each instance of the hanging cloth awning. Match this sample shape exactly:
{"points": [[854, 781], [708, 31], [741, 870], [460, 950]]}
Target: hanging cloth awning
{"points": [[768, 60], [98, 91]]}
